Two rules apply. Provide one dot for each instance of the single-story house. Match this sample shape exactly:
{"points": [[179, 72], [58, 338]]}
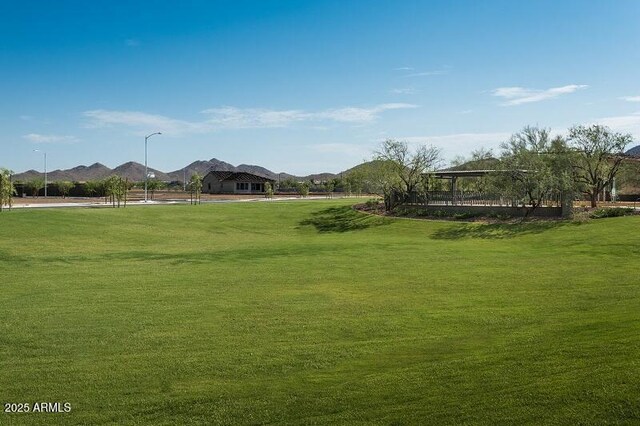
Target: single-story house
{"points": [[219, 182]]}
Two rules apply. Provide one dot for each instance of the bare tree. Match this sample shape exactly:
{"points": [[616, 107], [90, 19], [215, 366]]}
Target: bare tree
{"points": [[597, 158]]}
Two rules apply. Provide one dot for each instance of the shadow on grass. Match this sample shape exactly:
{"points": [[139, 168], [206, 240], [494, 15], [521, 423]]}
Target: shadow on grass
{"points": [[497, 230], [197, 257], [342, 219]]}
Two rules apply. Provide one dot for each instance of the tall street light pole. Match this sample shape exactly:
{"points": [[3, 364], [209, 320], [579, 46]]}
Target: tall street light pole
{"points": [[146, 173], [45, 171]]}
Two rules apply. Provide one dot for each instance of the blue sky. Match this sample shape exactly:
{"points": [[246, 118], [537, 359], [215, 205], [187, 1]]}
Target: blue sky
{"points": [[303, 86]]}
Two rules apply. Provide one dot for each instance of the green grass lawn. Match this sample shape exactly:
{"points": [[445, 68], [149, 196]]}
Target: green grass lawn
{"points": [[309, 312]]}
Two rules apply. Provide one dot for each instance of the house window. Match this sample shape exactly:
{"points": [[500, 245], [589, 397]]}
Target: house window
{"points": [[209, 186], [242, 186], [257, 187]]}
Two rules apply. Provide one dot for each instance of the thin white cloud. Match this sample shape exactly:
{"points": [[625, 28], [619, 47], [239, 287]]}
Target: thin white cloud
{"points": [[460, 138], [404, 91], [403, 69], [427, 73], [521, 95], [132, 42], [357, 115], [141, 120], [460, 143], [243, 118], [230, 117], [624, 124], [350, 150], [630, 98], [38, 138]]}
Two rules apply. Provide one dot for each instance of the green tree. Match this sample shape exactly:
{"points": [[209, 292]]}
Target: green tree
{"points": [[480, 159], [288, 184], [329, 186], [379, 178], [195, 188], [154, 185], [629, 176], [403, 169], [303, 189], [346, 187], [268, 190], [533, 168], [116, 189], [597, 159], [7, 190], [94, 188], [64, 187], [34, 186], [355, 180]]}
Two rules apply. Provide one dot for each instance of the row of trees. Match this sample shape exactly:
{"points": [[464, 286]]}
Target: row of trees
{"points": [[533, 166], [35, 185], [585, 161], [114, 189], [353, 183], [92, 188]]}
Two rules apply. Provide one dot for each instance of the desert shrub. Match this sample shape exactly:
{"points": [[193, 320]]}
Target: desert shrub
{"points": [[465, 215], [499, 216], [373, 203], [460, 215], [610, 212], [403, 211]]}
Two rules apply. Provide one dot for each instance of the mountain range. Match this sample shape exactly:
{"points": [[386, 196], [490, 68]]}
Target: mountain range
{"points": [[135, 172]]}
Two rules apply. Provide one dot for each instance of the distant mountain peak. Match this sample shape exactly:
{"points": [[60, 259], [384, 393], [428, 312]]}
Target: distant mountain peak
{"points": [[135, 171]]}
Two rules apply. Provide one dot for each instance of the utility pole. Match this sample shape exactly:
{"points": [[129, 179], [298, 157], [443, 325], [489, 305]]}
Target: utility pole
{"points": [[45, 170], [146, 173]]}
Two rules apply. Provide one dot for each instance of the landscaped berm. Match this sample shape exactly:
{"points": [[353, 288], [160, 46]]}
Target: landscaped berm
{"points": [[310, 312]]}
